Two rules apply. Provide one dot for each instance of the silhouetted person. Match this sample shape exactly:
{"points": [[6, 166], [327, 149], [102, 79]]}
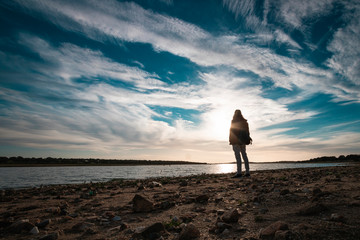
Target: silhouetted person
{"points": [[239, 137]]}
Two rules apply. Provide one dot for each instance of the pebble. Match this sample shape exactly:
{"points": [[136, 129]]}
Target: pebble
{"points": [[202, 198], [284, 191], [51, 236], [34, 231], [116, 218], [155, 184], [189, 232], [43, 223], [269, 231], [82, 226], [231, 216], [337, 218]]}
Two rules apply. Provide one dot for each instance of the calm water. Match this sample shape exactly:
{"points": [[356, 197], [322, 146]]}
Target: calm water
{"points": [[24, 177]]}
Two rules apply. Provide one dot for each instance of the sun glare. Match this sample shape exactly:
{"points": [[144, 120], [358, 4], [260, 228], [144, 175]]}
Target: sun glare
{"points": [[226, 168], [219, 124]]}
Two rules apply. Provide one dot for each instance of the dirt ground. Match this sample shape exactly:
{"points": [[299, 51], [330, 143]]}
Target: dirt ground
{"points": [[306, 203]]}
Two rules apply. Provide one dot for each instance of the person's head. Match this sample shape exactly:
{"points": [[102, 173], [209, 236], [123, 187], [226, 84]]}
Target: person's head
{"points": [[238, 115]]}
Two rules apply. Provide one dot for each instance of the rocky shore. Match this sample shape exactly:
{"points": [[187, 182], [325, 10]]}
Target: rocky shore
{"points": [[308, 203]]}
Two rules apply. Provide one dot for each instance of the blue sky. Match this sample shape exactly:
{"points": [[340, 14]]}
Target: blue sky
{"points": [[160, 79]]}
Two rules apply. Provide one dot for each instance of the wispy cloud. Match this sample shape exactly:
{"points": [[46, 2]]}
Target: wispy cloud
{"points": [[130, 22]]}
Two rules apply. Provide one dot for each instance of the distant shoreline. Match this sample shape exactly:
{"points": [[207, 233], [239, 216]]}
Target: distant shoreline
{"points": [[72, 162], [93, 165]]}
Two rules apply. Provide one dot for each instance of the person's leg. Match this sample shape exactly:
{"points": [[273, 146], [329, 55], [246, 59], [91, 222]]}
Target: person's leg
{"points": [[236, 149], [246, 160]]}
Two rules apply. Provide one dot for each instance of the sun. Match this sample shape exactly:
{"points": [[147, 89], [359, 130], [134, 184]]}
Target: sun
{"points": [[219, 125]]}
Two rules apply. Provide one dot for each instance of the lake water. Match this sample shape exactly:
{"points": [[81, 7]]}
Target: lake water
{"points": [[25, 177]]}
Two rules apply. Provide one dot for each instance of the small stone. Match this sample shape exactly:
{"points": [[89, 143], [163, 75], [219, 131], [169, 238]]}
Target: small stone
{"points": [[231, 216], [51, 236], [64, 212], [119, 228], [116, 218], [54, 210], [226, 232], [202, 198], [141, 204], [175, 219], [187, 218], [284, 191], [263, 210], [155, 184], [34, 231], [90, 231], [43, 223], [284, 235], [337, 218], [316, 191], [82, 226], [189, 232], [66, 218], [73, 215], [165, 205], [221, 226], [183, 183], [141, 187], [220, 212], [305, 190], [269, 231]]}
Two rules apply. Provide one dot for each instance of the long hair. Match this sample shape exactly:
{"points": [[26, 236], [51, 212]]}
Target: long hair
{"points": [[238, 116]]}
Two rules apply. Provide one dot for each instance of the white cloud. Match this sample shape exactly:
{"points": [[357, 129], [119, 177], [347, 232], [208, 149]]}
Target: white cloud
{"points": [[284, 38], [345, 47], [295, 12], [130, 22], [246, 10]]}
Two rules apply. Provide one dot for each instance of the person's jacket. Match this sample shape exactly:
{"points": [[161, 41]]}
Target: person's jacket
{"points": [[236, 129]]}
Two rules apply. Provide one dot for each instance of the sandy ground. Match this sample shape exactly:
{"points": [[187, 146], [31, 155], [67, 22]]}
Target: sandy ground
{"points": [[309, 203]]}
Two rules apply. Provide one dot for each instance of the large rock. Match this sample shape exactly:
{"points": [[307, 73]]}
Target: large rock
{"points": [[141, 204], [189, 232], [231, 216], [21, 226], [269, 231], [153, 231]]}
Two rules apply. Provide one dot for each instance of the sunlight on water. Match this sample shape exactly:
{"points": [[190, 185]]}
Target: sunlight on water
{"points": [[225, 168]]}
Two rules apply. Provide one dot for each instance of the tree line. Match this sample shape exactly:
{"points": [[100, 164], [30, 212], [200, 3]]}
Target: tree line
{"points": [[341, 158], [83, 161]]}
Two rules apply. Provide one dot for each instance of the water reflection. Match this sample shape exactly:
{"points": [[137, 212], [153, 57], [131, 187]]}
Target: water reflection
{"points": [[225, 168]]}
